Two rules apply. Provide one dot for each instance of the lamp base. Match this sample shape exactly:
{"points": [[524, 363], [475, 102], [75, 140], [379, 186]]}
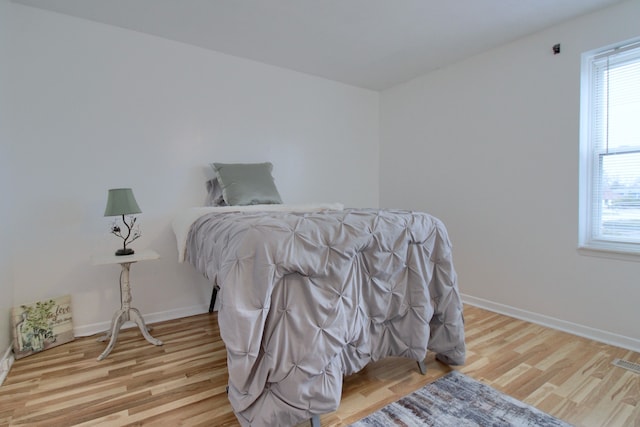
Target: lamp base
{"points": [[127, 251]]}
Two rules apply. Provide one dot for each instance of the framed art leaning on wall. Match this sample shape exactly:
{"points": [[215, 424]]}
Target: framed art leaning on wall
{"points": [[41, 325]]}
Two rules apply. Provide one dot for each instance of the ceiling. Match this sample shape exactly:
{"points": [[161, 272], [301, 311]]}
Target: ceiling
{"points": [[373, 44]]}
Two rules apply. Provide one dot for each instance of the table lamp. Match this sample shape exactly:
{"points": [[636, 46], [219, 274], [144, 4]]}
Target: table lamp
{"points": [[122, 202]]}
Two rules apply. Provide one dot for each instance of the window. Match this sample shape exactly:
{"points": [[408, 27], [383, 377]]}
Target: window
{"points": [[610, 149]]}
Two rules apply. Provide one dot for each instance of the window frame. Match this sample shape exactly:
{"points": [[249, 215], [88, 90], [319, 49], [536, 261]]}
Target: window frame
{"points": [[590, 169]]}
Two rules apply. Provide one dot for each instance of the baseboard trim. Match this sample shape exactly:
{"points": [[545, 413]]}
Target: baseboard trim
{"points": [[5, 364], [573, 328], [554, 323], [96, 328], [540, 319]]}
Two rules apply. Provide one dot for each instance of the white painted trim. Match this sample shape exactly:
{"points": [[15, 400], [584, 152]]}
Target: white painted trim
{"points": [[551, 322], [5, 364], [608, 253], [95, 328]]}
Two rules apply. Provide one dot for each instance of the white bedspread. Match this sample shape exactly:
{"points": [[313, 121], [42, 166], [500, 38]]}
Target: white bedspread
{"points": [[183, 221], [309, 297]]}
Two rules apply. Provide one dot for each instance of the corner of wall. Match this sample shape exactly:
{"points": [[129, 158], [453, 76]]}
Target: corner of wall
{"points": [[5, 364], [6, 216]]}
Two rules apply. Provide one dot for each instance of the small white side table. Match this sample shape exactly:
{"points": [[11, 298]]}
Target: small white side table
{"points": [[126, 312]]}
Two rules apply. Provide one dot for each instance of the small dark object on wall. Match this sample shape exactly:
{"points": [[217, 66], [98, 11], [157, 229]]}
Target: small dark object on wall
{"points": [[556, 48]]}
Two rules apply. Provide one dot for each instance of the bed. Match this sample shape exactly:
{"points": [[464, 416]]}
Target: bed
{"points": [[310, 294]]}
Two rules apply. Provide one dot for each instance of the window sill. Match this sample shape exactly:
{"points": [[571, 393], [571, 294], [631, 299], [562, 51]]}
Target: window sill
{"points": [[609, 252]]}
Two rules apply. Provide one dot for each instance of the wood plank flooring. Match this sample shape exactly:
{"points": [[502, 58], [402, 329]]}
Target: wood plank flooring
{"points": [[183, 382]]}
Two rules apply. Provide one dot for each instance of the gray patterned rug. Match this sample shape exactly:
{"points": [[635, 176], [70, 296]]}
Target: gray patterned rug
{"points": [[460, 401]]}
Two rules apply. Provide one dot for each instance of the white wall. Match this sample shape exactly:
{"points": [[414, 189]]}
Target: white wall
{"points": [[490, 145], [6, 192], [96, 107]]}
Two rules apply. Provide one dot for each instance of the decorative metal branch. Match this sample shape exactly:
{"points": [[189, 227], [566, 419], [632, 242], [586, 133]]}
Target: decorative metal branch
{"points": [[132, 233]]}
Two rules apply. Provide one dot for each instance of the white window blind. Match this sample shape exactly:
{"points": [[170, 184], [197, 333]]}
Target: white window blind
{"points": [[610, 150]]}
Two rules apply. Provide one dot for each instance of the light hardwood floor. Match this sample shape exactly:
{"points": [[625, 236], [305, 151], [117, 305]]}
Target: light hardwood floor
{"points": [[183, 382]]}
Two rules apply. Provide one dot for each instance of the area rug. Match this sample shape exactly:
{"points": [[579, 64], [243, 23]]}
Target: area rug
{"points": [[460, 401]]}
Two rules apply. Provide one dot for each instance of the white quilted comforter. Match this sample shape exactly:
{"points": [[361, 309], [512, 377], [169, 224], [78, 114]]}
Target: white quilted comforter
{"points": [[308, 297]]}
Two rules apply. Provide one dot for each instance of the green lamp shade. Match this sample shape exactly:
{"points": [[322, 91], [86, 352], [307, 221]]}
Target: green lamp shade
{"points": [[121, 202]]}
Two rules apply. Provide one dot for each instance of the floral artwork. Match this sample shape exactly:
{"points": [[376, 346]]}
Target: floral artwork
{"points": [[41, 325]]}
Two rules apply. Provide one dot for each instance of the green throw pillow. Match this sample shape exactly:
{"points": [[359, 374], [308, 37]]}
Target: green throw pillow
{"points": [[247, 183]]}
